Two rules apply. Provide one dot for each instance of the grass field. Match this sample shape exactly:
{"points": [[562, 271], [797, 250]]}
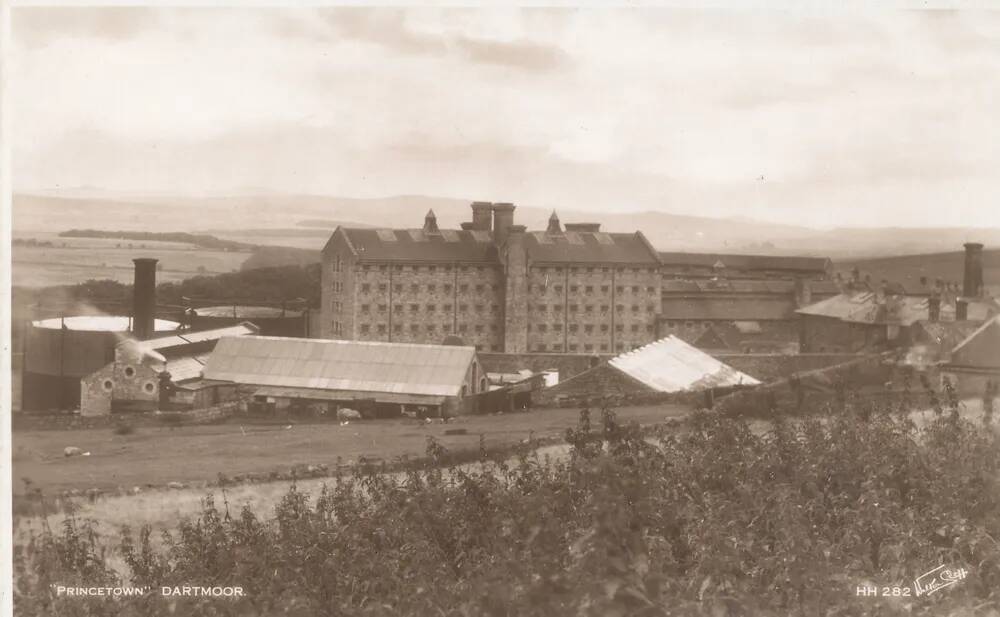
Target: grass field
{"points": [[74, 260], [908, 269], [197, 454], [155, 455]]}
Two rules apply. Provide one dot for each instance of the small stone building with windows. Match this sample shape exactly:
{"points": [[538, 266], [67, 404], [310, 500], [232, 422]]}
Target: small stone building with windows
{"points": [[149, 375]]}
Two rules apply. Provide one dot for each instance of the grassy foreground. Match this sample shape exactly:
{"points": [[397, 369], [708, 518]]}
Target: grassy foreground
{"points": [[717, 520], [191, 454]]}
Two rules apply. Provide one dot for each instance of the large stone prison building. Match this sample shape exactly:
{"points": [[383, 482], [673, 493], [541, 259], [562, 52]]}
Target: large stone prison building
{"points": [[493, 285]]}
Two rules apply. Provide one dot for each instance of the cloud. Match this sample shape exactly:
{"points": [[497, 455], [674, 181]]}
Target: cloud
{"points": [[848, 118], [37, 26]]}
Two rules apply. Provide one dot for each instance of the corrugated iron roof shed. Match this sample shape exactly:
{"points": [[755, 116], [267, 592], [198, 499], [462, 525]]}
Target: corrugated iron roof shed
{"points": [[347, 395], [403, 368], [671, 365]]}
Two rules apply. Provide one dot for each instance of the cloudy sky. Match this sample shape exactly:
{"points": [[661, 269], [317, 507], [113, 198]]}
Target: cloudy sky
{"points": [[889, 118]]}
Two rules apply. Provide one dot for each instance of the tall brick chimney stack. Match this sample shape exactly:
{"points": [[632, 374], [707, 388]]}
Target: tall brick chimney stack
{"points": [[144, 298], [515, 259], [503, 219], [482, 216], [972, 284]]}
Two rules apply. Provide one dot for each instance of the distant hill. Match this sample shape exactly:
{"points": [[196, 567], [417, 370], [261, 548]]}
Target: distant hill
{"points": [[249, 217], [908, 269], [205, 241]]}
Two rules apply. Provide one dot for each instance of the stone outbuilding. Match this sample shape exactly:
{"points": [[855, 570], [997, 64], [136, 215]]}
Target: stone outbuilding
{"points": [[153, 374]]}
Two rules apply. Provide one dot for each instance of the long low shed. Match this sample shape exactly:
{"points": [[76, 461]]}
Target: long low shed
{"points": [[341, 371]]}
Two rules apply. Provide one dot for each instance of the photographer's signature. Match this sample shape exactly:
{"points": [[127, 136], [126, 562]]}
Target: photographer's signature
{"points": [[937, 579], [926, 584]]}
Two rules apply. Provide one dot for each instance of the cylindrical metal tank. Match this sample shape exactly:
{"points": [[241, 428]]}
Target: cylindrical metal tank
{"points": [[272, 321], [59, 351]]}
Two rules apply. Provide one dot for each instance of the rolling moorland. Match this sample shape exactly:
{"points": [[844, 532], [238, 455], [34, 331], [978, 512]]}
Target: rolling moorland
{"points": [[293, 220]]}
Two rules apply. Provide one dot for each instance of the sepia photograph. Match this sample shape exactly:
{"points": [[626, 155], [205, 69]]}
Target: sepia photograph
{"points": [[621, 309]]}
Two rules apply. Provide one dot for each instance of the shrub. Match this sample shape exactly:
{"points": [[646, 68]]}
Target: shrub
{"points": [[715, 520]]}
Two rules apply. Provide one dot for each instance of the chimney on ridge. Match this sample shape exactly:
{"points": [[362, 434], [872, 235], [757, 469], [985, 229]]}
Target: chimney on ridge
{"points": [[482, 216], [972, 284], [503, 219], [144, 298]]}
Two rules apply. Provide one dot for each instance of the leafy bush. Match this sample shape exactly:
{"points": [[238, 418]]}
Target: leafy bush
{"points": [[714, 520]]}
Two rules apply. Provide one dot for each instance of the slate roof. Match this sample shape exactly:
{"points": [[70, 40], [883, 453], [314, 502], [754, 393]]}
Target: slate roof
{"points": [[747, 286], [589, 247], [471, 246], [671, 365], [731, 308], [400, 368], [409, 245], [746, 262], [863, 307]]}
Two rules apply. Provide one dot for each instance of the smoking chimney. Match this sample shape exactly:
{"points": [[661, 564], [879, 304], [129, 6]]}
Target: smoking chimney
{"points": [[972, 284], [144, 298], [482, 213], [503, 218]]}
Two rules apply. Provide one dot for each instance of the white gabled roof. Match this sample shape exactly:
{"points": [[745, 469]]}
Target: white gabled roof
{"points": [[671, 365]]}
